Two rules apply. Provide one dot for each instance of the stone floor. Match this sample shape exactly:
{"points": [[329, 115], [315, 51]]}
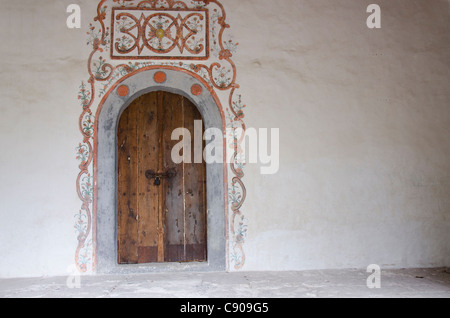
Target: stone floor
{"points": [[406, 283]]}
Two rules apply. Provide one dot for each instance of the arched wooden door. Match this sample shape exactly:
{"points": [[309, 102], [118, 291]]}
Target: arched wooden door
{"points": [[161, 205]]}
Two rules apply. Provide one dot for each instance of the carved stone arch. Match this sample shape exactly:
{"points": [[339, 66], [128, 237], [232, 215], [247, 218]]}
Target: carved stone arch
{"points": [[120, 96]]}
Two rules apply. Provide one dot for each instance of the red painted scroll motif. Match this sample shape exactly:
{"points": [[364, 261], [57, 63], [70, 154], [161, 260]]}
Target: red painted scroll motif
{"points": [[144, 34]]}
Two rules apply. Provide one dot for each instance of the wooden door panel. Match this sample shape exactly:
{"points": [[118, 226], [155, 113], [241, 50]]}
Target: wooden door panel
{"points": [[148, 149], [173, 206], [165, 223], [127, 194], [194, 194]]}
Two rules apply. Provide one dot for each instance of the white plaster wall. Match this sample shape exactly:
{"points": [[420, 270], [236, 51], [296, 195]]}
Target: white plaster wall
{"points": [[42, 65], [365, 126], [364, 118]]}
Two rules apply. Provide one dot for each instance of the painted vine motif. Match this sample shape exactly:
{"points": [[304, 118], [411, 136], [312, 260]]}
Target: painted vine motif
{"points": [[159, 33], [218, 72]]}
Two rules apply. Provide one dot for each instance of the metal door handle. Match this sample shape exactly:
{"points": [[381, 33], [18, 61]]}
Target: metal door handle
{"points": [[169, 174]]}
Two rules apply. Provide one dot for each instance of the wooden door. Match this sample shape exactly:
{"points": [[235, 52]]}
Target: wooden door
{"points": [[160, 219]]}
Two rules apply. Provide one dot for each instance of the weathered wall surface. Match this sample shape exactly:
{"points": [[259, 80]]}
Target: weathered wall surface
{"points": [[364, 117], [42, 63], [363, 114]]}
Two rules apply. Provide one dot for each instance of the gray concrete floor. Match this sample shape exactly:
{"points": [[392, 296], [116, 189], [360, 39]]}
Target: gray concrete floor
{"points": [[405, 283]]}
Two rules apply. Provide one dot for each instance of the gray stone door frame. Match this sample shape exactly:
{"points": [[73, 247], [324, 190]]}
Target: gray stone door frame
{"points": [[123, 94]]}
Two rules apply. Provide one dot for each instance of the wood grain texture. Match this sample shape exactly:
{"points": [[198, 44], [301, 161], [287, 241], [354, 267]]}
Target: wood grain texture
{"points": [[148, 149], [127, 190], [174, 203], [194, 192], [165, 223]]}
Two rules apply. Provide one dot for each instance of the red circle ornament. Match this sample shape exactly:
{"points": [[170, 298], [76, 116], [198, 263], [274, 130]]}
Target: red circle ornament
{"points": [[196, 90], [160, 77], [123, 91]]}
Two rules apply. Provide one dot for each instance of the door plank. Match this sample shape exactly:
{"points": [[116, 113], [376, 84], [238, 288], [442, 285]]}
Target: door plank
{"points": [[195, 193], [160, 169], [148, 149], [127, 194], [174, 204]]}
